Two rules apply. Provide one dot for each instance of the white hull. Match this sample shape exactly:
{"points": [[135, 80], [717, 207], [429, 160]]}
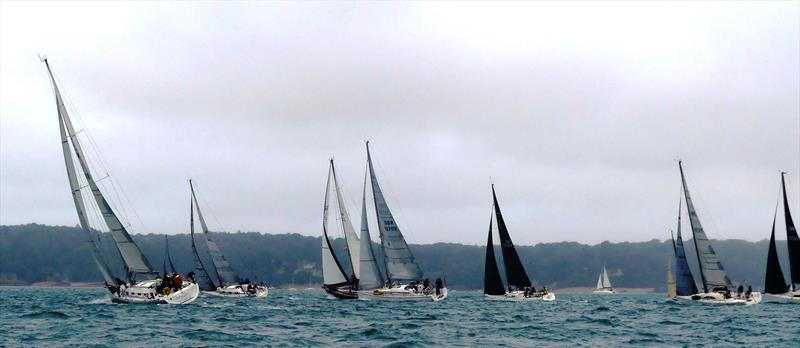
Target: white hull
{"points": [[520, 296], [719, 298], [145, 293], [604, 291], [236, 291], [789, 297], [400, 293]]}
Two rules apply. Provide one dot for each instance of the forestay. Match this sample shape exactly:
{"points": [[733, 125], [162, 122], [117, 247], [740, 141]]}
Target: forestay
{"points": [[399, 261]]}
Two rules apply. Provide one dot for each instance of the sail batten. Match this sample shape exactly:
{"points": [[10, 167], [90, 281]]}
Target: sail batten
{"points": [[370, 275], [398, 259], [515, 271], [711, 270], [225, 274], [492, 284]]}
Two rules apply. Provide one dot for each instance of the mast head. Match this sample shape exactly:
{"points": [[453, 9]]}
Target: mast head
{"points": [[42, 58]]}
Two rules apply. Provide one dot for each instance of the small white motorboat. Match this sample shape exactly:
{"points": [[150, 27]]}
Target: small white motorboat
{"points": [[240, 290], [400, 292]]}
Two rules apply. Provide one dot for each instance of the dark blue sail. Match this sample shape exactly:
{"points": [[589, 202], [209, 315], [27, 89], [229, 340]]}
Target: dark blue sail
{"points": [[684, 281], [774, 283], [792, 240], [492, 284]]}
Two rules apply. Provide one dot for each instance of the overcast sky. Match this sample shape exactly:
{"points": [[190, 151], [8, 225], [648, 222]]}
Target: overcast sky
{"points": [[575, 110]]}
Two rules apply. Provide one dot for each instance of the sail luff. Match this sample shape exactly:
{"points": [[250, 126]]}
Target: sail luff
{"points": [[515, 271], [711, 270], [774, 283], [370, 274], [331, 276], [398, 259], [792, 240], [133, 258], [350, 236], [204, 280], [492, 283], [225, 273]]}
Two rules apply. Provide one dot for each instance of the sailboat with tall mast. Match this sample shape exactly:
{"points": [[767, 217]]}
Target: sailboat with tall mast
{"points": [[141, 284], [227, 282], [404, 277], [335, 280], [519, 285], [603, 283], [716, 283], [775, 286]]}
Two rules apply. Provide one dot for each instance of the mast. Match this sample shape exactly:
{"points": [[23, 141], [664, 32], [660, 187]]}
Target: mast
{"points": [[711, 270], [774, 283], [492, 284], [134, 261], [351, 239], [204, 280], [515, 272], [331, 276], [397, 257], [792, 240], [222, 267], [370, 275], [168, 266]]}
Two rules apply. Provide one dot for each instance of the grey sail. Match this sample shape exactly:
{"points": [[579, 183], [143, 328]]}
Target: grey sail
{"points": [[333, 274], [711, 270], [350, 236], [370, 274], [225, 274], [397, 257], [168, 266], [136, 264], [201, 273]]}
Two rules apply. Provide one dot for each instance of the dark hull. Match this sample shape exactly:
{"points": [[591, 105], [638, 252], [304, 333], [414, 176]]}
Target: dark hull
{"points": [[343, 295]]}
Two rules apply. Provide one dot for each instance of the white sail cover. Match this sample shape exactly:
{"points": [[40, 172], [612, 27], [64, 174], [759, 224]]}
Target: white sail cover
{"points": [[350, 236], [400, 262], [370, 276], [711, 269], [332, 273], [132, 257], [225, 273]]}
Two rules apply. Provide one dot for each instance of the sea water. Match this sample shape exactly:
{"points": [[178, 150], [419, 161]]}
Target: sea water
{"points": [[86, 317]]}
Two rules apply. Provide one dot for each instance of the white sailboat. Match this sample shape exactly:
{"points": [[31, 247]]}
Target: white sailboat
{"points": [[335, 280], [228, 283], [142, 283], [404, 280], [604, 284]]}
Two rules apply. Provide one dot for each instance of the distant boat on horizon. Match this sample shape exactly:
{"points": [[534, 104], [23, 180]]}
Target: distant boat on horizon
{"points": [[603, 283], [775, 286]]}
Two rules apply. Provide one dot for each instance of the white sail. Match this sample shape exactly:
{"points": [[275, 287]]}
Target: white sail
{"points": [[225, 273], [599, 281], [370, 276], [399, 261], [134, 260], [332, 273], [350, 236], [606, 281]]}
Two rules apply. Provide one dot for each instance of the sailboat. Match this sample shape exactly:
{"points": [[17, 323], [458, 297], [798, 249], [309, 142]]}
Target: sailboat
{"points": [[716, 284], [142, 283], [775, 286], [228, 283], [604, 284], [515, 273], [403, 273], [335, 280]]}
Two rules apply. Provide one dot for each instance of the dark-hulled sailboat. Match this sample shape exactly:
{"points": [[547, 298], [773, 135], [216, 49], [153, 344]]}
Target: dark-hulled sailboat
{"points": [[717, 287], [141, 284], [774, 283], [519, 285]]}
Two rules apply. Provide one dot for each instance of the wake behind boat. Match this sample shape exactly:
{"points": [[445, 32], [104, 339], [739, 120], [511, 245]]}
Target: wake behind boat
{"points": [[493, 287], [775, 287], [227, 282], [716, 284], [142, 283]]}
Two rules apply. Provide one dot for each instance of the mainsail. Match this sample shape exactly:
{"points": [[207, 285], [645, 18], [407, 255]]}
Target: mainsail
{"points": [[225, 273], [774, 283], [332, 272], [168, 267], [792, 240], [515, 272], [711, 270], [203, 279], [350, 236], [370, 275], [397, 257], [492, 284], [684, 281], [132, 257]]}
